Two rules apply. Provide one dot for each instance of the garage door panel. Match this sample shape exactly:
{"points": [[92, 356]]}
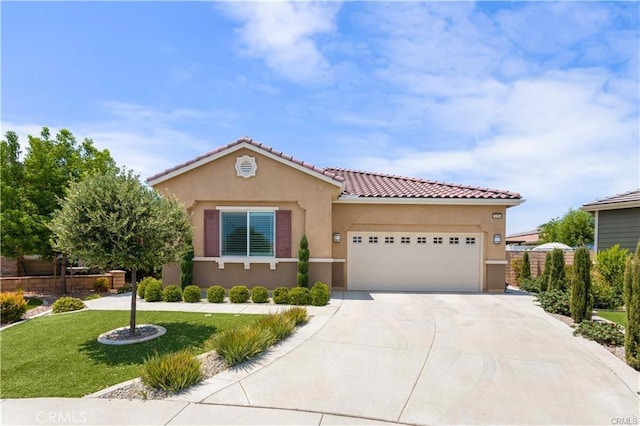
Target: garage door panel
{"points": [[402, 264]]}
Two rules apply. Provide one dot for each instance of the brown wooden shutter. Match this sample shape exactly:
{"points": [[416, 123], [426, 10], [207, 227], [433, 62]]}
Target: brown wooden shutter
{"points": [[212, 233], [283, 233]]}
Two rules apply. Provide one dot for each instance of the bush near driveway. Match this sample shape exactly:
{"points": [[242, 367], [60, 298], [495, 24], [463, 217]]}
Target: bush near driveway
{"points": [[299, 296], [319, 294], [171, 372], [555, 302], [606, 333]]}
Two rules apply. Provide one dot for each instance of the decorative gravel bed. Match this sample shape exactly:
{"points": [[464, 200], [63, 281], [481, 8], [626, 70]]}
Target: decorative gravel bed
{"points": [[212, 364]]}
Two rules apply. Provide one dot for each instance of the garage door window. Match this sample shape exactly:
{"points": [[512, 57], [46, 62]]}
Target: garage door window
{"points": [[470, 240], [454, 240], [437, 240], [388, 240], [373, 240], [357, 239], [422, 240]]}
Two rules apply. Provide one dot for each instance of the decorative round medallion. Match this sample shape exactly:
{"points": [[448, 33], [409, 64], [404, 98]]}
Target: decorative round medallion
{"points": [[246, 166]]}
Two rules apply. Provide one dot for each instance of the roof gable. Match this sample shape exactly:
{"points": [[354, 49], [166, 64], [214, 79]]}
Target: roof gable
{"points": [[252, 145]]}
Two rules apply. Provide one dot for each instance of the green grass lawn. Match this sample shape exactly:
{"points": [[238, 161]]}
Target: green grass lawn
{"points": [[619, 317], [33, 302], [59, 356]]}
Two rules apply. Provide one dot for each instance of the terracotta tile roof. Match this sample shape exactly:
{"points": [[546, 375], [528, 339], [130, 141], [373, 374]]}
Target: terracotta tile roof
{"points": [[247, 140], [365, 184], [626, 197]]}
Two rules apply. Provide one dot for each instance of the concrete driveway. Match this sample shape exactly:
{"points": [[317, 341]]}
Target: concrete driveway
{"points": [[445, 359]]}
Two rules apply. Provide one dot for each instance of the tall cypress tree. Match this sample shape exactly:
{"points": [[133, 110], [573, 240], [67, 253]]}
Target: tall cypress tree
{"points": [[303, 263], [581, 300], [544, 280], [557, 278], [632, 305], [525, 273]]}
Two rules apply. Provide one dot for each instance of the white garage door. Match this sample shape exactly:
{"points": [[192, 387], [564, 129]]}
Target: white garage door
{"points": [[414, 261]]}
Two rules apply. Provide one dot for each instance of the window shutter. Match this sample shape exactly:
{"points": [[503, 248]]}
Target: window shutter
{"points": [[283, 233], [211, 233]]}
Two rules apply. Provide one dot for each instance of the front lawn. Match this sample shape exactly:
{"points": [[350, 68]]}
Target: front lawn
{"points": [[619, 317], [59, 356]]}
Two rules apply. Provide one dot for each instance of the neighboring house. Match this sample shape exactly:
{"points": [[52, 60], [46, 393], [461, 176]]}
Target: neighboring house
{"points": [[617, 220], [366, 231], [527, 239]]}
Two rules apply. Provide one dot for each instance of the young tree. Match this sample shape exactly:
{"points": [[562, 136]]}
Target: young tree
{"points": [[303, 263], [557, 279], [186, 266], [581, 300], [114, 221], [632, 306], [525, 272]]}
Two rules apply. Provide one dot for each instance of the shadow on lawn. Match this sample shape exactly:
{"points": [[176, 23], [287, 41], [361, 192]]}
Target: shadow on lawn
{"points": [[180, 335]]}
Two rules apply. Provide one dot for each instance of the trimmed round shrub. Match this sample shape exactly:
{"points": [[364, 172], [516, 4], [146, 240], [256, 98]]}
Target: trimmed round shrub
{"points": [[259, 294], [172, 293], [67, 304], [142, 286], [281, 296], [239, 294], [319, 294], [153, 291], [215, 294], [192, 294], [101, 285], [171, 372], [12, 306], [125, 289], [299, 296]]}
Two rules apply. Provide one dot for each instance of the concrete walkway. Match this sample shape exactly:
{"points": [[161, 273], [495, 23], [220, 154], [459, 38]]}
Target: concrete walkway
{"points": [[394, 357]]}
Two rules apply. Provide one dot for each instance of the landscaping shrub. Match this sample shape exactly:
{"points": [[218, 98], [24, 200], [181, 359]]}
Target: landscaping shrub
{"points": [[297, 314], [299, 296], [604, 296], [607, 333], [125, 289], [93, 296], [632, 306], [142, 286], [319, 294], [215, 294], [259, 294], [532, 285], [67, 304], [171, 372], [172, 293], [12, 306], [239, 294], [610, 265], [581, 299], [555, 302], [281, 296], [280, 326], [516, 266], [192, 294], [101, 285], [303, 263], [237, 345], [557, 277], [525, 273], [153, 291]]}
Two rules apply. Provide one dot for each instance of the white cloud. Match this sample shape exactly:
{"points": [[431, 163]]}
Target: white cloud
{"points": [[283, 35]]}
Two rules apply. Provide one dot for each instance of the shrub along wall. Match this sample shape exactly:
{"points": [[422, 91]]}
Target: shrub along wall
{"points": [[536, 260], [52, 284]]}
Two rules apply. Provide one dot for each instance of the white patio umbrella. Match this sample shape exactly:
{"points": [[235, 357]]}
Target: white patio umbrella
{"points": [[551, 246]]}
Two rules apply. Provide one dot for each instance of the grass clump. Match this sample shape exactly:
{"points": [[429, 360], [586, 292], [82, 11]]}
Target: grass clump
{"points": [[67, 304], [239, 294], [172, 293], [280, 326], [281, 296], [299, 296], [171, 372], [297, 314], [153, 291], [607, 333], [259, 294], [12, 306], [241, 344], [216, 294], [319, 294], [191, 294]]}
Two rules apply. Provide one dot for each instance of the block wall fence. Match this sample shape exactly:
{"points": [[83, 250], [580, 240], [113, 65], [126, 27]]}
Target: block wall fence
{"points": [[116, 279], [536, 259]]}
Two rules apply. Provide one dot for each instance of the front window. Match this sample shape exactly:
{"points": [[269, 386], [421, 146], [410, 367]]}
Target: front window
{"points": [[248, 233]]}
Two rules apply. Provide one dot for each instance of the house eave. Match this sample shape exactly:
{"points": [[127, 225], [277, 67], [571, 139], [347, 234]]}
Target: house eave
{"points": [[610, 206], [349, 199]]}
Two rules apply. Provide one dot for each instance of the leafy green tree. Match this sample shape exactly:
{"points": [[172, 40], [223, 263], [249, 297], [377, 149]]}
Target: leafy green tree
{"points": [[581, 300], [632, 305], [303, 263], [556, 278], [525, 272], [112, 220], [575, 228], [31, 189]]}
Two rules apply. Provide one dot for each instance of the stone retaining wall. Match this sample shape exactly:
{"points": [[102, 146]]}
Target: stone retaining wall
{"points": [[52, 284]]}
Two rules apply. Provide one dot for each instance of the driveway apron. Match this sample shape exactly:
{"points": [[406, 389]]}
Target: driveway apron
{"points": [[445, 359]]}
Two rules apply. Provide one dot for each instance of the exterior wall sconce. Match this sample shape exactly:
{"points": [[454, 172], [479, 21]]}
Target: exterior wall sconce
{"points": [[496, 215], [336, 237], [497, 238]]}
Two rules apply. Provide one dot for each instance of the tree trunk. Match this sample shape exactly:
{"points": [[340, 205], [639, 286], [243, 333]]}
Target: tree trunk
{"points": [[134, 292], [63, 274]]}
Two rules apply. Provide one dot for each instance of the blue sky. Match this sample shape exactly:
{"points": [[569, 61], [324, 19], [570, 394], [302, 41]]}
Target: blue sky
{"points": [[539, 98]]}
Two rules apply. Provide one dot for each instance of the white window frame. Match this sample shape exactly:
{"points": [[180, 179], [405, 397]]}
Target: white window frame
{"points": [[247, 210]]}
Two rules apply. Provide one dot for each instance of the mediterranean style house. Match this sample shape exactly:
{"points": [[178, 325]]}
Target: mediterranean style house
{"points": [[617, 220], [250, 205]]}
